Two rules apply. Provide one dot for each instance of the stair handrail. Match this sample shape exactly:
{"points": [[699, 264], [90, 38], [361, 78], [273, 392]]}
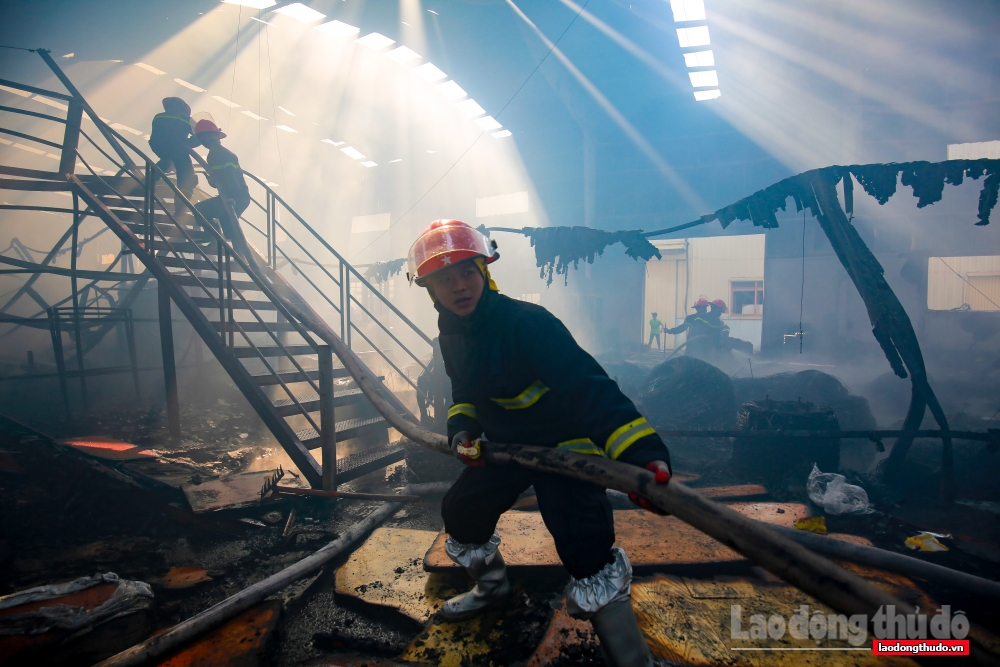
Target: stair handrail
{"points": [[347, 266], [340, 258]]}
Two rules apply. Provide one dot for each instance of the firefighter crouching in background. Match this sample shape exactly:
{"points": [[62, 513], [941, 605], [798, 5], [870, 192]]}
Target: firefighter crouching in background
{"points": [[518, 376]]}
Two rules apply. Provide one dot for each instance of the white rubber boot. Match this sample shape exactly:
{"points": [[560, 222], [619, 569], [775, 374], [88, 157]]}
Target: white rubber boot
{"points": [[605, 599], [491, 588]]}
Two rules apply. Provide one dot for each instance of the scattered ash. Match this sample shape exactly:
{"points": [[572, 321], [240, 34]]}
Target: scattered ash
{"points": [[585, 649]]}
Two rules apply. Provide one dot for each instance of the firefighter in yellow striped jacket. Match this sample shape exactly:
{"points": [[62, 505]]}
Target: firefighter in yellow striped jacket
{"points": [[518, 376]]}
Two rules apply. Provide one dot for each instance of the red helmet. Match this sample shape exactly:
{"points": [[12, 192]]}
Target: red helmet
{"points": [[702, 301], [205, 125], [445, 243], [719, 303]]}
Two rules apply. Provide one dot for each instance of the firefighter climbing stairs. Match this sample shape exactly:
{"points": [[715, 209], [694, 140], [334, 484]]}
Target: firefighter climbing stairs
{"points": [[294, 382]]}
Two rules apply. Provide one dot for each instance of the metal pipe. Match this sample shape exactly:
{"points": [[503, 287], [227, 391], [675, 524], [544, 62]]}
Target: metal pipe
{"points": [[887, 560], [216, 615]]}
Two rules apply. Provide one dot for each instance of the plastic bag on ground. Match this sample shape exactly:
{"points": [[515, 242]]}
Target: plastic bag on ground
{"points": [[832, 492]]}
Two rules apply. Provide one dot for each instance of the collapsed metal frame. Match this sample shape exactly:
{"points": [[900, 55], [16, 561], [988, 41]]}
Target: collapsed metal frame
{"points": [[178, 251]]}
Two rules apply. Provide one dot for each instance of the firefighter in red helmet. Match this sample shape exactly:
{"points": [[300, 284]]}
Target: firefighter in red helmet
{"points": [[226, 176], [703, 331], [518, 376]]}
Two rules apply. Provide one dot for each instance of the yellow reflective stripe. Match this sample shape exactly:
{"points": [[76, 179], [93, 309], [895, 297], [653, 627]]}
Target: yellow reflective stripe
{"points": [[581, 446], [623, 438], [223, 166], [186, 121], [467, 409], [525, 399]]}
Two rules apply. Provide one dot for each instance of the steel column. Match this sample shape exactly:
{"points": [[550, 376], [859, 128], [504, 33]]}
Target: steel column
{"points": [[130, 339], [169, 366], [328, 430], [71, 138], [76, 300], [57, 351]]}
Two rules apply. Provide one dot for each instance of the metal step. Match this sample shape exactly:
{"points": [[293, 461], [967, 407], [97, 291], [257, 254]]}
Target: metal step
{"points": [[165, 228], [265, 377], [198, 265], [238, 303], [369, 460], [247, 352], [186, 247], [310, 403], [191, 281], [126, 214], [347, 429], [255, 327]]}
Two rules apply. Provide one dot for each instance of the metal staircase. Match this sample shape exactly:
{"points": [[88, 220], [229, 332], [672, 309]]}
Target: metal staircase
{"points": [[294, 382]]}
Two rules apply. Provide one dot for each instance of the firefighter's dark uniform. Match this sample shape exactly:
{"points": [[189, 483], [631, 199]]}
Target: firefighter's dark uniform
{"points": [[704, 333], [225, 174], [518, 376], [171, 140]]}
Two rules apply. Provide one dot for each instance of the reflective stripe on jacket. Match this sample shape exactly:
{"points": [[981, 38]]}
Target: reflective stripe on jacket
{"points": [[518, 376]]}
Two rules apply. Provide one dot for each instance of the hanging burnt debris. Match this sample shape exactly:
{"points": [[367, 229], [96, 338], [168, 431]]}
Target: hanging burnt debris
{"points": [[558, 247], [380, 272]]}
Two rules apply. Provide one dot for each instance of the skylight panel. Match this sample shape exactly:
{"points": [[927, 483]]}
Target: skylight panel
{"points": [[223, 100], [501, 134], [255, 4], [285, 128], [403, 55], [703, 95], [697, 36], [251, 114], [429, 73], [699, 59], [352, 153], [488, 123], [150, 68], [300, 13], [369, 164], [705, 79], [688, 10], [375, 41], [18, 91], [51, 103], [338, 29], [470, 108], [451, 91], [189, 86], [332, 142]]}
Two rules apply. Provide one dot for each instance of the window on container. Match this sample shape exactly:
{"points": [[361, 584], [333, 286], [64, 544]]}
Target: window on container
{"points": [[747, 298]]}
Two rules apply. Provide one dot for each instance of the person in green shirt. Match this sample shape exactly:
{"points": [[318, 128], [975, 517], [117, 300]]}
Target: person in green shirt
{"points": [[655, 326]]}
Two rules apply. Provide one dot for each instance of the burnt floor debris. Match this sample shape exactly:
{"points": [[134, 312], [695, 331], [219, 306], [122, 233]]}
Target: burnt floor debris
{"points": [[84, 506]]}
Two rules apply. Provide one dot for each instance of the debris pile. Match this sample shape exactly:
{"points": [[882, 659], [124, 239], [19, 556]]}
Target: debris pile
{"points": [[779, 459], [688, 393], [812, 386]]}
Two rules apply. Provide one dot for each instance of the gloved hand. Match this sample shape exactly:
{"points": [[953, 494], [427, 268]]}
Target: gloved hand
{"points": [[467, 449], [662, 472]]}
